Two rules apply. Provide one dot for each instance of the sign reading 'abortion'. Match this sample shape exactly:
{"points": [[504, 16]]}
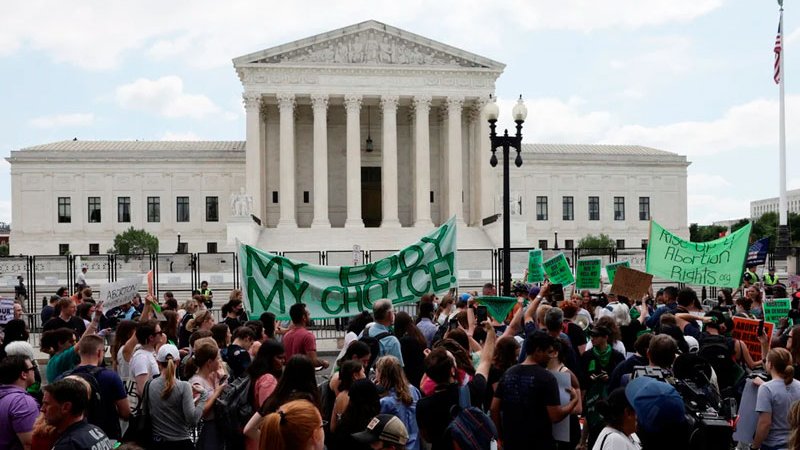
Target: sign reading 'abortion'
{"points": [[715, 263], [274, 283]]}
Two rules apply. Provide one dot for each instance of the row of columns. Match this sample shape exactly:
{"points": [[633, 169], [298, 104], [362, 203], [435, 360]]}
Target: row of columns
{"points": [[389, 179]]}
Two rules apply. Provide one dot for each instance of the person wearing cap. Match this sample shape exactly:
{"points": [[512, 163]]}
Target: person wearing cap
{"points": [[660, 414], [175, 406], [113, 396], [384, 431], [597, 364], [750, 277]]}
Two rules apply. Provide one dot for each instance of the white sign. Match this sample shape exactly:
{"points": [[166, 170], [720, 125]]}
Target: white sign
{"points": [[6, 310], [118, 293]]}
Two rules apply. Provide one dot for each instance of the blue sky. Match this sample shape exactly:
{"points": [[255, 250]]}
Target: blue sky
{"points": [[689, 76]]}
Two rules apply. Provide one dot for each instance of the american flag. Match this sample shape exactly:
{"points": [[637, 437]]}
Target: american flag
{"points": [[778, 48]]}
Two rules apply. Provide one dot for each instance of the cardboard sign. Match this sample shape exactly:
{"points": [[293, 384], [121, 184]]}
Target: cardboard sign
{"points": [[558, 270], [774, 310], [746, 330], [631, 283], [587, 273], [611, 269], [535, 269], [118, 293], [6, 310], [151, 284]]}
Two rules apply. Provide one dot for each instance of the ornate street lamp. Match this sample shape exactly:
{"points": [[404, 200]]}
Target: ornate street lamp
{"points": [[179, 244], [506, 142]]}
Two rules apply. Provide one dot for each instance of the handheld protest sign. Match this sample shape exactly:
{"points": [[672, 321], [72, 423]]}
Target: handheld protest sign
{"points": [[535, 269], [6, 310], [631, 283], [558, 270], [587, 273], [746, 330], [611, 269], [119, 293], [775, 310]]}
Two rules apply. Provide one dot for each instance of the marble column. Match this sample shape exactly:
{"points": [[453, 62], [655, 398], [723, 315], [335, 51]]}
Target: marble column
{"points": [[389, 170], [454, 160], [488, 174], [352, 104], [422, 161], [286, 198], [319, 104], [254, 163], [477, 161]]}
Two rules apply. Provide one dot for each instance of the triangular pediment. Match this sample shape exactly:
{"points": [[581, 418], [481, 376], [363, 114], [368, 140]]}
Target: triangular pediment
{"points": [[368, 43]]}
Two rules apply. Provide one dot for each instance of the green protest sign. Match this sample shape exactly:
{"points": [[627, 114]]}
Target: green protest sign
{"points": [[774, 310], [535, 269], [714, 263], [558, 270], [587, 273], [273, 283], [611, 269], [498, 307]]}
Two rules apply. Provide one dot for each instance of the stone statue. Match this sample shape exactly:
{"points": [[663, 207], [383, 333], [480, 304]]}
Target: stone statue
{"points": [[241, 204]]}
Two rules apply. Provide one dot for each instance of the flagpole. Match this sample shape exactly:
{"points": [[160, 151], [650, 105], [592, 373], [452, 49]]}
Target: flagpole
{"points": [[783, 229]]}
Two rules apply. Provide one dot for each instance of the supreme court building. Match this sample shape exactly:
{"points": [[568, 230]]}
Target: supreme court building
{"points": [[367, 135]]}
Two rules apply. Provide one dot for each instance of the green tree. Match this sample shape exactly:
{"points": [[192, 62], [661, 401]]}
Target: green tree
{"points": [[705, 233], [134, 242], [3, 249], [592, 241]]}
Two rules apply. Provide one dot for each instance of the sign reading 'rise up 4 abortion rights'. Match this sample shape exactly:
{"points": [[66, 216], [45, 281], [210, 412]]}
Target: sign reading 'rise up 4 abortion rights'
{"points": [[715, 263]]}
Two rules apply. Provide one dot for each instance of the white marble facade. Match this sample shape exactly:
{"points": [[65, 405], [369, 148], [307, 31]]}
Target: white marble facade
{"points": [[310, 107]]}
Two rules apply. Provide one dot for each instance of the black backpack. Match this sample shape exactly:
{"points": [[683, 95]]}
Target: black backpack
{"points": [[96, 413], [715, 351], [374, 343], [233, 408]]}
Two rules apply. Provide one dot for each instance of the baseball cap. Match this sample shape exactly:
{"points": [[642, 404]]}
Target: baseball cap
{"points": [[383, 427], [166, 351], [465, 297], [657, 404], [533, 291]]}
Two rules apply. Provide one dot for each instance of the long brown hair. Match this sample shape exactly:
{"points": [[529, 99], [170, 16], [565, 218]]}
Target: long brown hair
{"points": [[205, 352], [392, 377], [290, 427], [404, 326], [794, 425]]}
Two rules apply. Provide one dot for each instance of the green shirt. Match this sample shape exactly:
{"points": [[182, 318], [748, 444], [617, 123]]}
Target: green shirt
{"points": [[60, 363]]}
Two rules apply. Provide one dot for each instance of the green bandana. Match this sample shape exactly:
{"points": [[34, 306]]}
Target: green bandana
{"points": [[603, 356]]}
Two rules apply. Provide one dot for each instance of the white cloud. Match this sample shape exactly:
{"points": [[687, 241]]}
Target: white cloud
{"points": [[793, 37], [704, 182], [164, 97], [707, 208], [205, 33], [181, 136], [63, 120]]}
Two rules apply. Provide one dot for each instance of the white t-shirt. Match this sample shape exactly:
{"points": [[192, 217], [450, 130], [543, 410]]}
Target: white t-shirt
{"points": [[613, 439], [123, 367], [143, 362]]}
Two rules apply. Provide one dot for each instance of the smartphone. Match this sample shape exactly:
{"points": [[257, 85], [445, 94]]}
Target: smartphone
{"points": [[481, 313], [557, 290], [760, 327], [453, 324]]}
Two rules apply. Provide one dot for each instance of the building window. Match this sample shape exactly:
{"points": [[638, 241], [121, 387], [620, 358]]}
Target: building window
{"points": [[211, 247], [620, 243], [63, 249], [568, 208], [431, 196], [274, 196], [594, 208], [123, 209], [569, 244], [619, 208], [182, 213], [183, 247], [94, 209], [543, 244], [212, 209], [154, 209], [306, 196], [644, 244], [644, 208], [64, 210], [541, 208], [94, 249]]}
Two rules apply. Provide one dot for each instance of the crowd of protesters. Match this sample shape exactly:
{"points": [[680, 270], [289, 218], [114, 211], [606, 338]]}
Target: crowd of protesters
{"points": [[591, 371]]}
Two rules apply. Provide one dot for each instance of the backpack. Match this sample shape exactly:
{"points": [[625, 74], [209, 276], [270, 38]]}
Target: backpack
{"points": [[715, 351], [233, 408], [471, 428], [374, 343], [96, 413]]}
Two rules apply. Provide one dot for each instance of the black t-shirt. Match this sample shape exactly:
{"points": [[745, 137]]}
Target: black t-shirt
{"points": [[433, 412], [183, 333], [75, 323], [233, 323], [413, 359], [525, 392], [83, 436], [577, 336]]}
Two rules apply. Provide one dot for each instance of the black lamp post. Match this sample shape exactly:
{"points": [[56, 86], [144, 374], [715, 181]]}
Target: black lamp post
{"points": [[555, 241], [179, 244], [506, 142]]}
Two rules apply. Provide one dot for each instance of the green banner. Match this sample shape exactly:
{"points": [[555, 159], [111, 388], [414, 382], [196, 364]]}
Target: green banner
{"points": [[274, 283], [715, 263], [498, 307], [558, 270], [535, 269], [774, 310], [587, 273], [611, 269]]}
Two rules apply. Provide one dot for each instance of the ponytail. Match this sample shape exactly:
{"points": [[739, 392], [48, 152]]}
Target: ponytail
{"points": [[291, 427], [788, 374], [270, 429], [169, 379]]}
